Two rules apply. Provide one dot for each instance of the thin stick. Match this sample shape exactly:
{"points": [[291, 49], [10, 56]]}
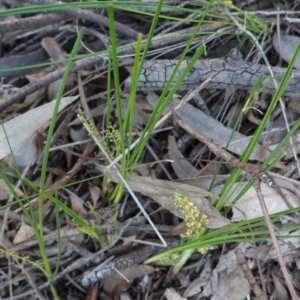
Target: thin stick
{"points": [[88, 15], [262, 203], [248, 275], [252, 169]]}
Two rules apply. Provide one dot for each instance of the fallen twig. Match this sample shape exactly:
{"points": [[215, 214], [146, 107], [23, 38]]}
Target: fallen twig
{"points": [[257, 180], [248, 275]]}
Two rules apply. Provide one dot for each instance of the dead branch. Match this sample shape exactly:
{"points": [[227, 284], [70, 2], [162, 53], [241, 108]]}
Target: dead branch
{"points": [[224, 73], [96, 18], [229, 72], [31, 22]]}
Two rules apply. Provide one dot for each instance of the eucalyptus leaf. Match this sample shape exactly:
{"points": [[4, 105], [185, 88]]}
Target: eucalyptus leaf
{"points": [[162, 191], [285, 46], [21, 128]]}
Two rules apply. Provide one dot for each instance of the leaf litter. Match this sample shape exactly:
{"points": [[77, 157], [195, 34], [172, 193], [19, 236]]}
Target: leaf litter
{"points": [[119, 228]]}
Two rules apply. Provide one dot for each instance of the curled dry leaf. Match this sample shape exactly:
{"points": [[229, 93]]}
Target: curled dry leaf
{"points": [[95, 194], [162, 191], [76, 203], [56, 53], [32, 121]]}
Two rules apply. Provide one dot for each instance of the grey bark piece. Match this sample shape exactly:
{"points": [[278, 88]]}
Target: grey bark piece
{"points": [[119, 263], [138, 255], [229, 72]]}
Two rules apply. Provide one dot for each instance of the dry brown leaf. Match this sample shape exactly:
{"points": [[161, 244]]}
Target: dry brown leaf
{"points": [[115, 283], [162, 191], [288, 183], [32, 121], [280, 291], [25, 155], [213, 129], [248, 206], [95, 194], [5, 191], [76, 203], [182, 167], [197, 285], [204, 182], [24, 233], [286, 46], [171, 294], [56, 53], [76, 239], [231, 282], [287, 245], [36, 96], [142, 110], [260, 252], [294, 103], [78, 135]]}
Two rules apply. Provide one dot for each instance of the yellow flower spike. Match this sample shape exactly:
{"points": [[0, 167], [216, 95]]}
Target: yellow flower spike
{"points": [[195, 209], [193, 224], [189, 224], [204, 249], [200, 226], [195, 221]]}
